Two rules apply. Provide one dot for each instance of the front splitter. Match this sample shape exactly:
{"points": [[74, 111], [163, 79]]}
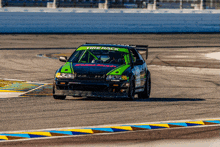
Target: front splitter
{"points": [[90, 94]]}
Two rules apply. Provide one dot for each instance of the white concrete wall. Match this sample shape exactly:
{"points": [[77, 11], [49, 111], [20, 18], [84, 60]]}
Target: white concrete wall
{"points": [[35, 20]]}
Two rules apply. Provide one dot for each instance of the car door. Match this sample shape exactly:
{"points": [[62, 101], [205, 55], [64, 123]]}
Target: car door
{"points": [[143, 71], [138, 70]]}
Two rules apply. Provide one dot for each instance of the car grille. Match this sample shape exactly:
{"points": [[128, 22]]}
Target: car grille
{"points": [[88, 87], [90, 77]]}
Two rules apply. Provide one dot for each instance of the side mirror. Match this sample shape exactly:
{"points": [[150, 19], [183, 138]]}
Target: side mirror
{"points": [[63, 58], [139, 62]]}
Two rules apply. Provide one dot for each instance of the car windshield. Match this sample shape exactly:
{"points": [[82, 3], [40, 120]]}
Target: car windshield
{"points": [[99, 56]]}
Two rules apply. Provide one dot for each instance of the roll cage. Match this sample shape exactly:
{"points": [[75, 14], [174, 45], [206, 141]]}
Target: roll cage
{"points": [[129, 59], [129, 47]]}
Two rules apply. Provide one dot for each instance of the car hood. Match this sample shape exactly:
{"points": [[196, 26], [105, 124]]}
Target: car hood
{"points": [[84, 68]]}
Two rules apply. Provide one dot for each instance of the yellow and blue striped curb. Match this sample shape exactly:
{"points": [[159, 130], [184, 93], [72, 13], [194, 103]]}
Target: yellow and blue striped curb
{"points": [[19, 87], [104, 129], [44, 90], [6, 82], [25, 88]]}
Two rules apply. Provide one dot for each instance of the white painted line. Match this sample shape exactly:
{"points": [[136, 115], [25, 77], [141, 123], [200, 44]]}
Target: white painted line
{"points": [[33, 89], [195, 70], [38, 83], [4, 95], [23, 81], [215, 55], [12, 80]]}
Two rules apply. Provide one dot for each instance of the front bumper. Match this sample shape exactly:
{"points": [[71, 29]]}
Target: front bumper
{"points": [[90, 94], [91, 89]]}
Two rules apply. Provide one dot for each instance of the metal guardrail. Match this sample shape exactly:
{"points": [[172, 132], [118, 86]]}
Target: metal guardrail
{"points": [[150, 4]]}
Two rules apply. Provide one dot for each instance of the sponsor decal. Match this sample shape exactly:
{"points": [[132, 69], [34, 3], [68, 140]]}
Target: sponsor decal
{"points": [[119, 70], [103, 48], [100, 65], [67, 68]]}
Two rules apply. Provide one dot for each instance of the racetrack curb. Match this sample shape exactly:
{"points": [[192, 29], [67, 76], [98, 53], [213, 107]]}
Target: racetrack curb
{"points": [[21, 87], [95, 130]]}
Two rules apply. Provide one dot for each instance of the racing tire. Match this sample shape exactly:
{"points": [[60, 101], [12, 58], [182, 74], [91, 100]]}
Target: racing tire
{"points": [[146, 93], [59, 97], [131, 91]]}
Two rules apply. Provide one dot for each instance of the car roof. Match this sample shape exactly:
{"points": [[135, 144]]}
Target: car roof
{"points": [[109, 45]]}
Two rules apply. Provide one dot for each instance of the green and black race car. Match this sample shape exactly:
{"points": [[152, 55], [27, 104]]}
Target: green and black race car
{"points": [[104, 70]]}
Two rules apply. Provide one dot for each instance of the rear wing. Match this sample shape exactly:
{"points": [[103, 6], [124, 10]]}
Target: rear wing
{"points": [[141, 48]]}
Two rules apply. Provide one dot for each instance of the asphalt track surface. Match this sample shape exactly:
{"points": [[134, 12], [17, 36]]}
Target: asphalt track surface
{"points": [[185, 84]]}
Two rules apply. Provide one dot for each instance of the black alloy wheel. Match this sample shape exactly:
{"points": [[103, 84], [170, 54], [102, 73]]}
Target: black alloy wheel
{"points": [[146, 93], [58, 97], [131, 91]]}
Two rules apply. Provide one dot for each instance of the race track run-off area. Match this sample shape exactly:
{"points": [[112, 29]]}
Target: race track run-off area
{"points": [[184, 99], [215, 55]]}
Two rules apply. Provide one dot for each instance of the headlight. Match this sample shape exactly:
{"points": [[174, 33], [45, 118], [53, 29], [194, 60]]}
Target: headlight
{"points": [[116, 77], [65, 75]]}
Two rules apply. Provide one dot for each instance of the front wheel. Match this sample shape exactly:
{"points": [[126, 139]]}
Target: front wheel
{"points": [[59, 97], [146, 93], [131, 91]]}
